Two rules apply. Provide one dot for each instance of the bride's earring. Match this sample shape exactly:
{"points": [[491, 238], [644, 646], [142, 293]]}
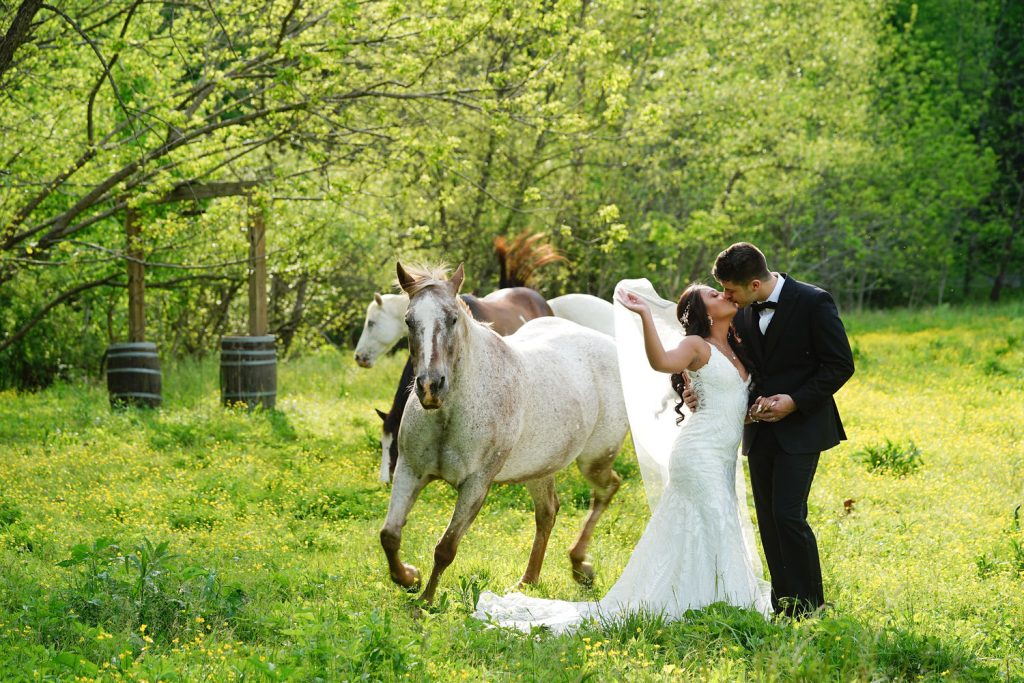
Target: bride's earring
{"points": [[711, 321]]}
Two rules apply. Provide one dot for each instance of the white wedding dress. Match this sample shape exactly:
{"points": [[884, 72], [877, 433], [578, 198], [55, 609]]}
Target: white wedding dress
{"points": [[698, 547]]}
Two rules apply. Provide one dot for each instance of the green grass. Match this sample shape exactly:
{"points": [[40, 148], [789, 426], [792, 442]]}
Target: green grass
{"points": [[197, 543]]}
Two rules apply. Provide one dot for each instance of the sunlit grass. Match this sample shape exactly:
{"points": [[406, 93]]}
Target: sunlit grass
{"points": [[273, 569]]}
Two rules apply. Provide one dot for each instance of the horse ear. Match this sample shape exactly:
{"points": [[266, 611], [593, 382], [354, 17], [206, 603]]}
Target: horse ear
{"points": [[403, 278], [379, 299], [383, 416], [457, 278]]}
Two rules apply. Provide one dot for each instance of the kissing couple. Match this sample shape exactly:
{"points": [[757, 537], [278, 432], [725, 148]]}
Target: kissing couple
{"points": [[757, 362]]}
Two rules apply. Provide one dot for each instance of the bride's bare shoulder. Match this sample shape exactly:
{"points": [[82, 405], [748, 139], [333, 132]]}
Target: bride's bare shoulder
{"points": [[698, 349]]}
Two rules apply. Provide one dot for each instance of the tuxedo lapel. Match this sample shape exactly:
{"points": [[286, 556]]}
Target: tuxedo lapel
{"points": [[788, 299], [750, 334]]}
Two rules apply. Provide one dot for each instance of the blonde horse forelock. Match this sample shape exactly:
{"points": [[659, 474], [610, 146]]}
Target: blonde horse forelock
{"points": [[424, 276]]}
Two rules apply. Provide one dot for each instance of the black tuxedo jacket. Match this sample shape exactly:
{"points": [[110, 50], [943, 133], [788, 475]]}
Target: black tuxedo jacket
{"points": [[804, 353]]}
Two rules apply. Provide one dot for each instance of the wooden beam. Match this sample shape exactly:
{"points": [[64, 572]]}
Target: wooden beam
{"points": [[257, 270], [136, 287], [197, 191]]}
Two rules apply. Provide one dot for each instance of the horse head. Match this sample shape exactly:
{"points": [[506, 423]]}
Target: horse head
{"points": [[383, 327], [436, 321]]}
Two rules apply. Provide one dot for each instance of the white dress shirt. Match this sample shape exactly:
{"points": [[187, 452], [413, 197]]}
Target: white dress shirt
{"points": [[767, 313]]}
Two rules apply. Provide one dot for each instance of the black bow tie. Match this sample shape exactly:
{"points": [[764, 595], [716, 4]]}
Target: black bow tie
{"points": [[759, 306]]}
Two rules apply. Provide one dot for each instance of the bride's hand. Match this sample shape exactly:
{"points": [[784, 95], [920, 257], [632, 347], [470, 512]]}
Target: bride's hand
{"points": [[631, 301]]}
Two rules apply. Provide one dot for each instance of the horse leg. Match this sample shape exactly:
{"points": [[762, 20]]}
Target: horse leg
{"points": [[604, 482], [472, 493], [545, 506], [404, 491]]}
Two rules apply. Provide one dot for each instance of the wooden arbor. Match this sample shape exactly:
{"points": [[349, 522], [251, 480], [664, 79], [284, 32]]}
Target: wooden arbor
{"points": [[133, 367]]}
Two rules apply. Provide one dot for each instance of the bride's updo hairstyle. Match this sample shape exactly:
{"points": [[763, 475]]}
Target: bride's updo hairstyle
{"points": [[691, 311], [693, 316]]}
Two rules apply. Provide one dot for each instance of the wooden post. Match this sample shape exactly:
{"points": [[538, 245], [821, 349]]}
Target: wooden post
{"points": [[257, 270], [136, 289]]}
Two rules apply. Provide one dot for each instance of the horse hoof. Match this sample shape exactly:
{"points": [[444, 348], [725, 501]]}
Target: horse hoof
{"points": [[412, 582], [527, 581], [409, 579], [583, 574]]}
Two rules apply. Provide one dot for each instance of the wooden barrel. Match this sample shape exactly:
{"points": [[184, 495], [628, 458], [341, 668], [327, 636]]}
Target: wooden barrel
{"points": [[248, 371], [133, 375]]}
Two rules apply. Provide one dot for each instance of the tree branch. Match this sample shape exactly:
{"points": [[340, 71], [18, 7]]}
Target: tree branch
{"points": [[18, 33], [61, 224]]}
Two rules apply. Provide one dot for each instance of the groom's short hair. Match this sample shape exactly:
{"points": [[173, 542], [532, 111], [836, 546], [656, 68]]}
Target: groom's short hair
{"points": [[741, 263]]}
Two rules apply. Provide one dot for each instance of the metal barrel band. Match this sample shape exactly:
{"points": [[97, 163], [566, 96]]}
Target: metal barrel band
{"points": [[144, 371]]}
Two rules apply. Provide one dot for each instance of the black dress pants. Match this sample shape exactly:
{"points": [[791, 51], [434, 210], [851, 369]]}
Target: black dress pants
{"points": [[780, 482]]}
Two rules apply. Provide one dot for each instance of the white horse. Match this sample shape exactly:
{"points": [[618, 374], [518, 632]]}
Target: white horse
{"points": [[587, 310], [501, 409], [506, 310], [383, 327]]}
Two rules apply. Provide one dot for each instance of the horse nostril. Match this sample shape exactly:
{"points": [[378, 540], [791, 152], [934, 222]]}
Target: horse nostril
{"points": [[440, 383], [419, 383]]}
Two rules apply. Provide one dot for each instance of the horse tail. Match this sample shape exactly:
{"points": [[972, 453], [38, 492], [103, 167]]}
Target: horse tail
{"points": [[520, 258]]}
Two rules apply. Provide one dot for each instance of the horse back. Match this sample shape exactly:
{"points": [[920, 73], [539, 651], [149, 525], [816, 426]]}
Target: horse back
{"points": [[570, 397], [507, 309], [587, 310]]}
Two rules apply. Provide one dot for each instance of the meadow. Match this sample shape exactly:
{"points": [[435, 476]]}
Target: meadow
{"points": [[198, 543]]}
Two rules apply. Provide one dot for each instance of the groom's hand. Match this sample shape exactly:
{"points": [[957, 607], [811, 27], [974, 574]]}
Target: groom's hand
{"points": [[689, 398], [772, 408]]}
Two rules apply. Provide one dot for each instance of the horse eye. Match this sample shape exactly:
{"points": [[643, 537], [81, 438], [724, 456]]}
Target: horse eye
{"points": [[451, 321], [370, 324]]}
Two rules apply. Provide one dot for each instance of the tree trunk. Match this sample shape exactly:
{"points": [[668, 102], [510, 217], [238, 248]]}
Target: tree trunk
{"points": [[136, 273], [257, 271], [17, 34]]}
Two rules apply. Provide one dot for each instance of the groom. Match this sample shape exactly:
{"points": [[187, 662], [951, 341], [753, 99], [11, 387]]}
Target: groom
{"points": [[801, 357]]}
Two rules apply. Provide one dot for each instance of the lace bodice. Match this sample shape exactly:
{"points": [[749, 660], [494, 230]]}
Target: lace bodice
{"points": [[721, 392]]}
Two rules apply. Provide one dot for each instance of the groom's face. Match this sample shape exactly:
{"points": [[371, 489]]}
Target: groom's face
{"points": [[741, 295]]}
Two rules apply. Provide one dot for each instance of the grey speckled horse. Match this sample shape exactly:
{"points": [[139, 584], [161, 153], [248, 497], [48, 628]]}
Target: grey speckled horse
{"points": [[501, 409]]}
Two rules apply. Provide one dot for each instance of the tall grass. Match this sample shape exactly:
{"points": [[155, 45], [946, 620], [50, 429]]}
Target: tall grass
{"points": [[195, 542]]}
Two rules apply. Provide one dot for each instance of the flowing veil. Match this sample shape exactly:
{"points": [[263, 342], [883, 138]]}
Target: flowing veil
{"points": [[650, 401]]}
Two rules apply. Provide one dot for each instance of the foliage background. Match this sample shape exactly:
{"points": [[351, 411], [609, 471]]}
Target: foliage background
{"points": [[874, 149]]}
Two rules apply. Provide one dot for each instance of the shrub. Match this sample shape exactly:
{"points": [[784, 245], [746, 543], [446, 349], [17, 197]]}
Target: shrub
{"points": [[147, 585], [898, 459]]}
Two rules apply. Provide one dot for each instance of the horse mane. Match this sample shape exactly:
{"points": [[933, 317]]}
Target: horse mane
{"points": [[424, 276], [520, 258]]}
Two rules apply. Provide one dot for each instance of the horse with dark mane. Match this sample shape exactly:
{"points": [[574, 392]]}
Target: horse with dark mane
{"points": [[500, 409]]}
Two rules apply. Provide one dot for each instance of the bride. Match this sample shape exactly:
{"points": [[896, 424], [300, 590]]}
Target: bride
{"points": [[698, 546]]}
